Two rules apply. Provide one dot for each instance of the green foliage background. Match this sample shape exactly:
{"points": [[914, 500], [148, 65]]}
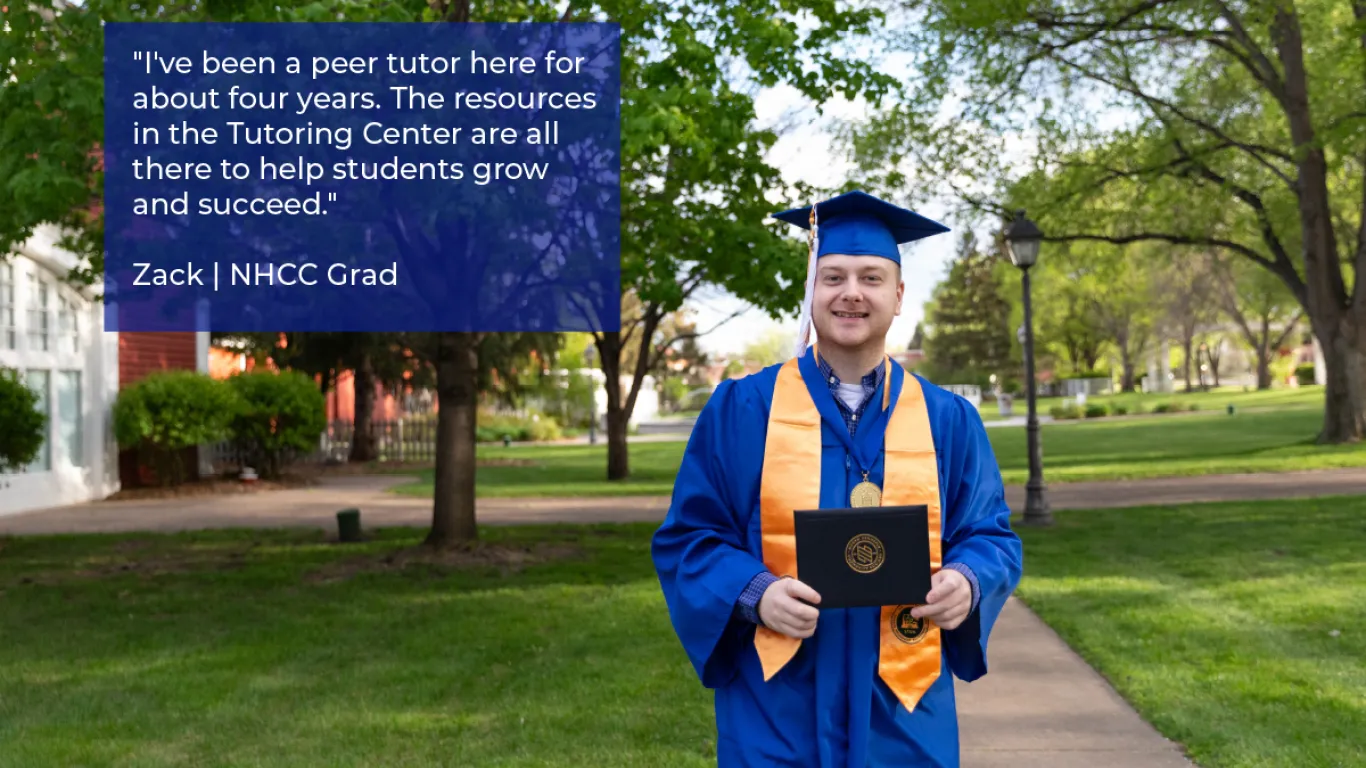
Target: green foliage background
{"points": [[24, 426]]}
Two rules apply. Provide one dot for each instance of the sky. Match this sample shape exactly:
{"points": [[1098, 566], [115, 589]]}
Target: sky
{"points": [[805, 154]]}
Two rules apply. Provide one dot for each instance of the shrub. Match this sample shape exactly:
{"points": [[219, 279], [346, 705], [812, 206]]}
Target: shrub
{"points": [[1119, 410], [494, 427], [496, 434], [1304, 374], [539, 427], [1162, 408], [1282, 366], [672, 390], [168, 411], [545, 428], [1096, 410], [282, 415], [22, 437], [569, 399], [1065, 412], [697, 402]]}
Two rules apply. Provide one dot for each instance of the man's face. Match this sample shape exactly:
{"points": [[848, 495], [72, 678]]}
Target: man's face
{"points": [[856, 298]]}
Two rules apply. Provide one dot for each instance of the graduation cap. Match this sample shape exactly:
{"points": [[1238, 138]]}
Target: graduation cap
{"points": [[855, 224]]}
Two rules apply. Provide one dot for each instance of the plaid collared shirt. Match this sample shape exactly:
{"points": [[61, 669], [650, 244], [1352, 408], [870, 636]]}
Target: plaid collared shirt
{"points": [[871, 381], [748, 605]]}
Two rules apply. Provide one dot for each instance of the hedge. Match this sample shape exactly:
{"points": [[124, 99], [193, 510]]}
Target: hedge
{"points": [[168, 411]]}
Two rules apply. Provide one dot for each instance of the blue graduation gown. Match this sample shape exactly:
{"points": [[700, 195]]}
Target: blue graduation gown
{"points": [[827, 707]]}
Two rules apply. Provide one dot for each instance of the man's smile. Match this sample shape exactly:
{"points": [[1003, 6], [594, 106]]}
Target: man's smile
{"points": [[852, 315]]}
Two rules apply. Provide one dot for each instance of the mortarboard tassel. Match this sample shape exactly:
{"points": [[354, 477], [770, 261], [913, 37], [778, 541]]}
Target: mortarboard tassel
{"points": [[804, 322]]}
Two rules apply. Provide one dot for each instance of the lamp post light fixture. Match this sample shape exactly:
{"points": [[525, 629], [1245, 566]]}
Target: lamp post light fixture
{"points": [[1024, 237]]}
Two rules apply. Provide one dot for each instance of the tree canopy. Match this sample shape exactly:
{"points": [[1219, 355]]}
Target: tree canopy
{"points": [[1228, 126]]}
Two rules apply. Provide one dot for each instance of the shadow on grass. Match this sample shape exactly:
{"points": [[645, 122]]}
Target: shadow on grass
{"points": [[564, 661], [1236, 629], [533, 555]]}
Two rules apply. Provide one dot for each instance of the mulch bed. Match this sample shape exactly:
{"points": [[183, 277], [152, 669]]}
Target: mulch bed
{"points": [[216, 486], [298, 477], [138, 557], [508, 559]]}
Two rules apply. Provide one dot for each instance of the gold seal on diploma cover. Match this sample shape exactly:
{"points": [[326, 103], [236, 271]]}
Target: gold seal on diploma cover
{"points": [[865, 494], [864, 553]]}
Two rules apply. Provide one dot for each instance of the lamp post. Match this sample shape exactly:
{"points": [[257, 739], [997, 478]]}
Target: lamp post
{"points": [[589, 355], [1024, 238]]}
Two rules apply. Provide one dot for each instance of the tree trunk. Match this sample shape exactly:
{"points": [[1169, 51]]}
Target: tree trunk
{"points": [[618, 451], [618, 454], [363, 437], [1186, 344], [1335, 320], [457, 391], [1213, 355], [1261, 346], [1344, 396], [1126, 383], [1126, 358], [620, 405], [1091, 356], [1263, 370]]}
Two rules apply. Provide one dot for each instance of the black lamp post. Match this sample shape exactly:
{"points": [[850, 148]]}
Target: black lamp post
{"points": [[1024, 238]]}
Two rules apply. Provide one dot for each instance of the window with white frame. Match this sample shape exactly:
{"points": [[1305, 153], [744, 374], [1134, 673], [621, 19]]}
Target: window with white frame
{"points": [[39, 332], [8, 333], [68, 326], [69, 416], [38, 382]]}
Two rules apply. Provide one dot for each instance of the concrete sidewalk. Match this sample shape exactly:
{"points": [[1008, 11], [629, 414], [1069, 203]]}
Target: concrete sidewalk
{"points": [[318, 505], [1041, 705]]}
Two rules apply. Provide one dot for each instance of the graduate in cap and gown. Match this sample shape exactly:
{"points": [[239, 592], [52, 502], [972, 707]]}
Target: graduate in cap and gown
{"points": [[837, 426]]}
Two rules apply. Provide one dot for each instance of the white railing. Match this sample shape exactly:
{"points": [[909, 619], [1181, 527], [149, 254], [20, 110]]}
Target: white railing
{"points": [[398, 440], [972, 392], [1095, 386]]}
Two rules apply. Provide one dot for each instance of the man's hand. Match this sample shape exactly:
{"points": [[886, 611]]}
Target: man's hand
{"points": [[782, 610], [949, 601]]}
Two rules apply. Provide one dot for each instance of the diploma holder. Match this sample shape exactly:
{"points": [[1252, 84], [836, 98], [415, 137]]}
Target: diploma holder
{"points": [[864, 556]]}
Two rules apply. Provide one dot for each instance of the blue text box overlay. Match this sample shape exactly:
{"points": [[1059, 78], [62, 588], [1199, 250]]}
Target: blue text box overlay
{"points": [[362, 177]]}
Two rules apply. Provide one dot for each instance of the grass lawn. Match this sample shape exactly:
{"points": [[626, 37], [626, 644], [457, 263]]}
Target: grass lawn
{"points": [[1175, 445], [274, 648], [565, 470], [1213, 400], [237, 649], [1149, 446], [1236, 629]]}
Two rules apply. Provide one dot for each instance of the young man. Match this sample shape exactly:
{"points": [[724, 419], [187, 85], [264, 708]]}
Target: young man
{"points": [[838, 426]]}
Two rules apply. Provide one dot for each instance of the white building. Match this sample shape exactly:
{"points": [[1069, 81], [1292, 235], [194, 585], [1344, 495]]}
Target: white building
{"points": [[53, 334]]}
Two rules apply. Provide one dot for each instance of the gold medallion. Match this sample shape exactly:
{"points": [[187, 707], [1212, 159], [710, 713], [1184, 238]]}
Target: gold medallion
{"points": [[865, 494], [907, 628]]}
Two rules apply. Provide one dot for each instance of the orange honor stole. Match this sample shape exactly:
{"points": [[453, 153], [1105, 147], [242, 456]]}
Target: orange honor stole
{"points": [[909, 653]]}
